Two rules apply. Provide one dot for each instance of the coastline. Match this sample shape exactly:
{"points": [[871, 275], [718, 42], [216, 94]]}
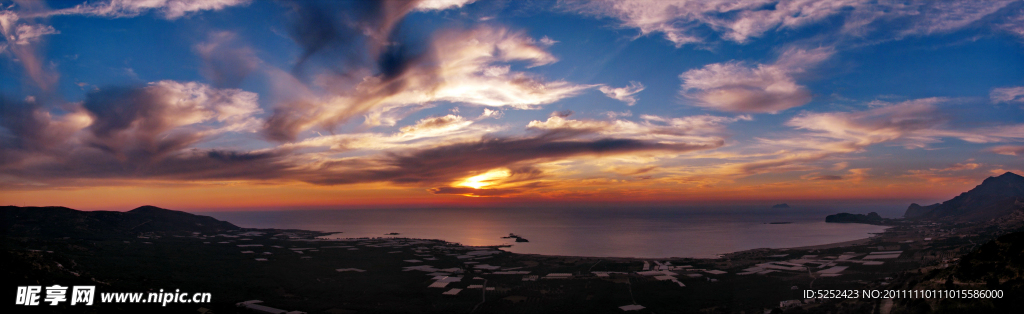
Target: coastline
{"points": [[293, 267], [863, 241], [850, 243]]}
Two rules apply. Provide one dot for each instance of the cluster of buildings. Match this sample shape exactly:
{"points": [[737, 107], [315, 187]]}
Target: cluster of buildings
{"points": [[825, 266]]}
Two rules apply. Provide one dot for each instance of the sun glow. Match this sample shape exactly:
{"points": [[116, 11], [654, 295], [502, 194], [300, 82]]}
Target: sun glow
{"points": [[486, 179]]}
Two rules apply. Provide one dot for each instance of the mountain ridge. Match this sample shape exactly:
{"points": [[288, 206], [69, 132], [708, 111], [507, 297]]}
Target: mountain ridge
{"points": [[993, 198], [63, 221]]}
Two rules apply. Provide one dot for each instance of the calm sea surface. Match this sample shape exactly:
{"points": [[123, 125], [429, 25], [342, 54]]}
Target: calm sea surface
{"points": [[648, 233]]}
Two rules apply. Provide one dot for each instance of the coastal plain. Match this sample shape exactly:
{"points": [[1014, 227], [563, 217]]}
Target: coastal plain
{"points": [[299, 270]]}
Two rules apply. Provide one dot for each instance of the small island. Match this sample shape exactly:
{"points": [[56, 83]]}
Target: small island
{"points": [[514, 236], [870, 218], [778, 206]]}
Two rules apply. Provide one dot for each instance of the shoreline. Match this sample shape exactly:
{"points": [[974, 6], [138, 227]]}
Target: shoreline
{"points": [[293, 267], [856, 242]]}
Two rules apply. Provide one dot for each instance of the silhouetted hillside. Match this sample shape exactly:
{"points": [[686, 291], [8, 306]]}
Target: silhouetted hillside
{"points": [[916, 210], [67, 222], [172, 220], [994, 197], [1002, 259], [870, 218]]}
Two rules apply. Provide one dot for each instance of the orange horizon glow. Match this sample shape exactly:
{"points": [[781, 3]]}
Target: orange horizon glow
{"points": [[247, 197]]}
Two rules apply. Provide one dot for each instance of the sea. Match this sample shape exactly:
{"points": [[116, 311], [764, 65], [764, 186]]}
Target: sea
{"points": [[594, 232]]}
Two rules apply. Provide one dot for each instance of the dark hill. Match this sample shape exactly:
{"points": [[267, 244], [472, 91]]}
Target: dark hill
{"points": [[172, 220], [993, 198], [916, 210], [783, 205], [66, 222], [1001, 258], [870, 218]]}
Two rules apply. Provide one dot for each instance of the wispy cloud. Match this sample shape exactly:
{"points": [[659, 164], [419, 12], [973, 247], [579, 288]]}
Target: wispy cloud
{"points": [[761, 88], [22, 38], [624, 94], [945, 16], [147, 122], [455, 162], [466, 66], [130, 132], [168, 9], [1014, 24], [226, 62], [156, 138], [687, 22], [680, 21], [1010, 150], [912, 124], [427, 5], [26, 33], [34, 129], [1007, 94], [954, 173]]}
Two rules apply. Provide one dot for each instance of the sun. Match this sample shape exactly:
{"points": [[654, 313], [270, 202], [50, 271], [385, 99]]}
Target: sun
{"points": [[485, 179]]}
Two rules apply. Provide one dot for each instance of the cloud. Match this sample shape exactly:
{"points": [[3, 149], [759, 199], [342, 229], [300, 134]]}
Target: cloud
{"points": [[1007, 94], [692, 22], [124, 133], [852, 175], [149, 122], [457, 161], [25, 33], [169, 9], [860, 129], [32, 128], [785, 162], [961, 166], [154, 132], [490, 113], [425, 133], [681, 22], [624, 94], [225, 62], [691, 128], [547, 41], [912, 124], [497, 182], [465, 66], [428, 5], [946, 16], [1009, 150], [21, 41], [451, 162], [368, 67], [915, 123], [616, 115], [827, 178], [84, 166], [946, 175], [764, 88], [347, 35], [1014, 24], [450, 121]]}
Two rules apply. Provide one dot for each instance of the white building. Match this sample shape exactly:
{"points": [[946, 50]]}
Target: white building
{"points": [[263, 309]]}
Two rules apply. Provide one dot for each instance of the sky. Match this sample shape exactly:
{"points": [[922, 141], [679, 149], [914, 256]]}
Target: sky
{"points": [[252, 105]]}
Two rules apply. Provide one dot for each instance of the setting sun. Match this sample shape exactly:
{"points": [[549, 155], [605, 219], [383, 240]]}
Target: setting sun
{"points": [[486, 179]]}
